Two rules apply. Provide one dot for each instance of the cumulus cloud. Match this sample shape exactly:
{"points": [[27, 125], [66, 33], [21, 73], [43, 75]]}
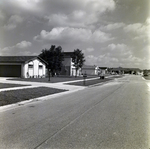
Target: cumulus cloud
{"points": [[90, 49], [98, 27], [136, 28], [95, 5], [18, 49], [65, 34], [44, 7], [74, 34], [148, 20], [22, 5], [13, 21], [76, 19], [23, 44], [139, 32], [119, 50], [99, 36], [102, 60], [113, 26], [78, 13], [91, 60], [124, 54], [1, 15]]}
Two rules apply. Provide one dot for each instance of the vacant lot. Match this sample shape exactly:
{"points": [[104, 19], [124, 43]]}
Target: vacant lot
{"points": [[6, 85], [14, 96]]}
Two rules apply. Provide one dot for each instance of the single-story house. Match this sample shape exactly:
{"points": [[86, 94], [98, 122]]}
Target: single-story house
{"points": [[22, 66], [90, 69], [118, 70], [121, 70], [103, 70]]}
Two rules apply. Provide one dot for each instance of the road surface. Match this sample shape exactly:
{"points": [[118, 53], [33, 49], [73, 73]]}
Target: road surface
{"points": [[114, 115]]}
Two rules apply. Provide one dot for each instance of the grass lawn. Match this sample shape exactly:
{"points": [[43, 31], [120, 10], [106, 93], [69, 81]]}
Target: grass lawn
{"points": [[52, 79], [6, 85], [147, 77], [14, 96], [95, 81], [90, 82]]}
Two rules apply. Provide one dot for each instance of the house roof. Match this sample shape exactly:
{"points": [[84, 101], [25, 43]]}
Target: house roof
{"points": [[89, 66], [18, 59], [125, 69], [102, 67], [68, 54]]}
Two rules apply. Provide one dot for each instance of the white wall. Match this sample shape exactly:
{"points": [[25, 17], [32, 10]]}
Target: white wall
{"points": [[73, 70], [35, 69]]}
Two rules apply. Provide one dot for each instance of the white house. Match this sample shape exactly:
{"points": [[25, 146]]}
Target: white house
{"points": [[22, 66], [90, 69]]}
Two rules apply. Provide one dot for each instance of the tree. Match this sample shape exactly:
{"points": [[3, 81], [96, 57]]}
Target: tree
{"points": [[54, 57], [78, 59]]}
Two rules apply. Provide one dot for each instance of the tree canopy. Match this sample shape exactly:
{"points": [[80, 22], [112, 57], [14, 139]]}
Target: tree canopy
{"points": [[78, 59], [54, 57]]}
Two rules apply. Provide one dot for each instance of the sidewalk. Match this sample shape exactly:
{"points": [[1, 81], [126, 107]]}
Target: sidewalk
{"points": [[59, 85]]}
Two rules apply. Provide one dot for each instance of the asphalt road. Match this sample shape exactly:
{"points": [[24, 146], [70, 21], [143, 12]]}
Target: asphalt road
{"points": [[114, 115]]}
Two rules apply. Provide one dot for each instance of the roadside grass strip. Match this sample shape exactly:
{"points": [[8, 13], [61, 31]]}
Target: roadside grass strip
{"points": [[7, 85], [14, 96], [147, 77], [90, 82], [54, 79], [96, 81]]}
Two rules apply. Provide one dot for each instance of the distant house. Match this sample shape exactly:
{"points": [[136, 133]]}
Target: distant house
{"points": [[118, 70], [90, 69], [103, 70], [121, 70], [22, 66], [68, 68]]}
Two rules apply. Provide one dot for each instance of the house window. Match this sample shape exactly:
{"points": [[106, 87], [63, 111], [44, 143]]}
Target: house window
{"points": [[40, 66], [30, 66]]}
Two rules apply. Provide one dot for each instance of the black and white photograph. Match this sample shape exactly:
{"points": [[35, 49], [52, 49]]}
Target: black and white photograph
{"points": [[74, 74]]}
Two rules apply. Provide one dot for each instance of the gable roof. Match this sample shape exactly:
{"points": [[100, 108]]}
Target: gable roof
{"points": [[18, 59], [68, 54], [89, 66], [102, 67], [125, 69]]}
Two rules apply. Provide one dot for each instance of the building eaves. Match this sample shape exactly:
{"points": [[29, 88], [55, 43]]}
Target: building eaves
{"points": [[15, 59]]}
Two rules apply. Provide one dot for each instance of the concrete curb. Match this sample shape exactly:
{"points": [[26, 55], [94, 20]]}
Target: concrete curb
{"points": [[48, 97], [31, 101]]}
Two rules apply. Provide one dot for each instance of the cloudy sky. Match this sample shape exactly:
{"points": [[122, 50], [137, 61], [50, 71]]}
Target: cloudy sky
{"points": [[110, 33]]}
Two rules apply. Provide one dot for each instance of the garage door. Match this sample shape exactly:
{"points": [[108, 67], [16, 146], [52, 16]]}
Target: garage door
{"points": [[10, 70]]}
